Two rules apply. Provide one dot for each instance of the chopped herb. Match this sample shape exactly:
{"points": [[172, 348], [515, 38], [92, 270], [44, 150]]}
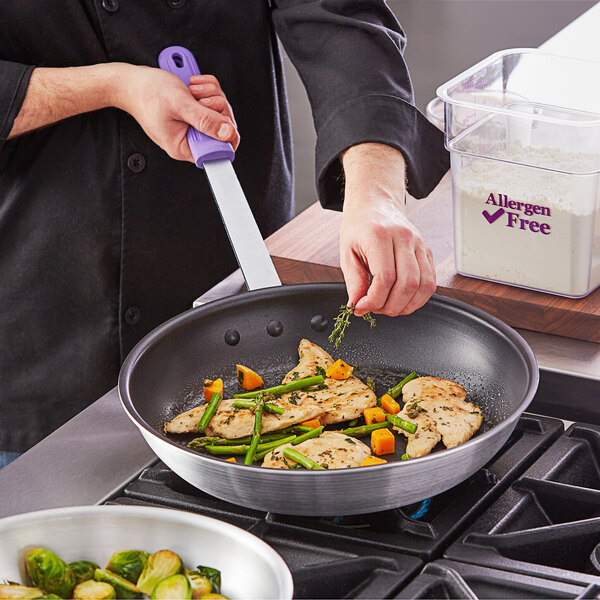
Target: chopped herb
{"points": [[293, 401], [350, 441], [295, 375], [322, 386], [320, 371], [370, 384]]}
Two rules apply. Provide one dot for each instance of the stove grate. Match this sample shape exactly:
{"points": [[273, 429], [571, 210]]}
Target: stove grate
{"points": [[548, 523]]}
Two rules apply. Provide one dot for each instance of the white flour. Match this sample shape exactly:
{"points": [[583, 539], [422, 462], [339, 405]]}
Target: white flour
{"points": [[564, 257]]}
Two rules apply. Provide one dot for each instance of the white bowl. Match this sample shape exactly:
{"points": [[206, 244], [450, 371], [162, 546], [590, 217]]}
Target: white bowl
{"points": [[249, 567]]}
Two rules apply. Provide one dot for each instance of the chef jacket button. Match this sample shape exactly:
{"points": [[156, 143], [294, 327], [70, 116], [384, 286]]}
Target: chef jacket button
{"points": [[176, 3], [132, 315], [136, 162], [110, 5]]}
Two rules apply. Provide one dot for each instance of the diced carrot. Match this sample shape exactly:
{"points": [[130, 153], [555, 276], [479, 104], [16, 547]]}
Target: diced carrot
{"points": [[212, 387], [314, 423], [372, 460], [383, 442], [374, 415], [232, 459], [339, 370], [389, 404], [247, 378]]}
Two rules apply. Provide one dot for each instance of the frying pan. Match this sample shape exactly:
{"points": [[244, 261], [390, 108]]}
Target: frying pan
{"points": [[163, 374], [446, 338]]}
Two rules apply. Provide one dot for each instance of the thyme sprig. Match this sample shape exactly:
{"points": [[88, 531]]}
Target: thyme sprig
{"points": [[342, 321]]}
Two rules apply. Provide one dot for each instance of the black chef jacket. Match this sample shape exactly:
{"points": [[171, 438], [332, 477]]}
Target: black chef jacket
{"points": [[103, 236]]}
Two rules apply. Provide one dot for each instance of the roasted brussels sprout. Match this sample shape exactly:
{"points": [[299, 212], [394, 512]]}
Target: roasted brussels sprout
{"points": [[50, 572], [160, 565], [128, 564], [175, 586], [94, 590], [200, 584], [213, 575], [123, 587], [83, 570], [213, 596], [19, 591]]}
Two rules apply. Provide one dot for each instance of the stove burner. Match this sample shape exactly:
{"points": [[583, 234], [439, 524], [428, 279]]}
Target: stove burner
{"points": [[422, 510]]}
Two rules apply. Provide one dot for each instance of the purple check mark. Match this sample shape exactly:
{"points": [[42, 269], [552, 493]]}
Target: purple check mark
{"points": [[493, 217]]}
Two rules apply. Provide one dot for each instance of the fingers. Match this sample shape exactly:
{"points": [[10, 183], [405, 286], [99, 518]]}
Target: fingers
{"points": [[210, 122], [381, 263], [426, 269], [207, 90], [403, 279], [356, 276]]}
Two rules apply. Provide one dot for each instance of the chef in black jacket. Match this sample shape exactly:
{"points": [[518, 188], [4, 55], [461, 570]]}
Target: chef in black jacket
{"points": [[103, 235]]}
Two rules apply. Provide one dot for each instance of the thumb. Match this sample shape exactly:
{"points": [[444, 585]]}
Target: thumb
{"points": [[356, 276], [208, 121]]}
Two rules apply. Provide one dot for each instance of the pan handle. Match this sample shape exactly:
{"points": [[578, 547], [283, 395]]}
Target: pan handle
{"points": [[215, 158], [181, 62]]}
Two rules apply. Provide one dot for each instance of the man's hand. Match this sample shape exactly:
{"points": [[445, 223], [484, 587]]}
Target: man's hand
{"points": [[378, 240], [161, 103], [158, 100]]}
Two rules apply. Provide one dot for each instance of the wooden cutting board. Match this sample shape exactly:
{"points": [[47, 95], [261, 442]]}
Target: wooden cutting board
{"points": [[307, 249]]}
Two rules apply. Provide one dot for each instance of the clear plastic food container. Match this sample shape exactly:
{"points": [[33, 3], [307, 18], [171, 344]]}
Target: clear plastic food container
{"points": [[523, 131]]}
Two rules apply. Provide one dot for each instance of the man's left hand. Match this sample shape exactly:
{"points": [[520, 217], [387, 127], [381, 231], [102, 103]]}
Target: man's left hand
{"points": [[377, 239]]}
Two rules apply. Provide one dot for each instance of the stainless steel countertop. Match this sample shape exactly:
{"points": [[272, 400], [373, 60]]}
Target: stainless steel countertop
{"points": [[96, 453]]}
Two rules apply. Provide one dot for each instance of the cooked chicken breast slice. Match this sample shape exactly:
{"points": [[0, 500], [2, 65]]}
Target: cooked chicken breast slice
{"points": [[341, 399], [331, 450], [233, 423], [439, 408]]}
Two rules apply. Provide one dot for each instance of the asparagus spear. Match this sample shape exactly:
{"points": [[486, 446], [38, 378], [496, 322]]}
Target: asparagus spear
{"points": [[243, 448], [306, 462], [272, 408], [395, 391], [364, 429], [293, 386], [401, 423], [317, 431], [262, 452], [258, 412], [210, 411]]}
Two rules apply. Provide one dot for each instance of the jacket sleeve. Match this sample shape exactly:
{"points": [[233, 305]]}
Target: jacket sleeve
{"points": [[349, 54], [14, 80]]}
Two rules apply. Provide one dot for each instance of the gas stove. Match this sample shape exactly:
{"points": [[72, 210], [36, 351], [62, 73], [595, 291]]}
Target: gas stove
{"points": [[527, 525]]}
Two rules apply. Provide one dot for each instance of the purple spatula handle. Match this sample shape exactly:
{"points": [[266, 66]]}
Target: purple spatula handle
{"points": [[181, 62]]}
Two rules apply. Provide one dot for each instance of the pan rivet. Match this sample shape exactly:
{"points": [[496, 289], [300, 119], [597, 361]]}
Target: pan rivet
{"points": [[274, 328], [319, 323], [232, 337]]}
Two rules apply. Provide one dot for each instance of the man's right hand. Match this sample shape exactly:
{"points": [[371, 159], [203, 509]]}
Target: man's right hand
{"points": [[161, 103], [158, 100]]}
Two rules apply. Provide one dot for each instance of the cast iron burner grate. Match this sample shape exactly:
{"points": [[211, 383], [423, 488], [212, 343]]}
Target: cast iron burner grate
{"points": [[448, 513], [449, 579], [548, 523], [370, 556]]}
